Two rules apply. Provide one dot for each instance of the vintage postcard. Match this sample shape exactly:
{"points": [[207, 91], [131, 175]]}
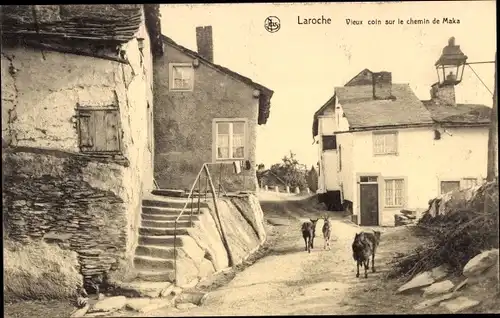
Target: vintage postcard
{"points": [[249, 159]]}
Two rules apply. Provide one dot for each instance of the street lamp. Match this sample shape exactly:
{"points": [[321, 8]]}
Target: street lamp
{"points": [[451, 64], [450, 68]]}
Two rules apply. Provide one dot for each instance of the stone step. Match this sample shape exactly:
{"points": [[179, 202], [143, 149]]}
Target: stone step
{"points": [[143, 289], [155, 251], [171, 202], [156, 276], [166, 241], [170, 211], [154, 231], [169, 224], [166, 217], [169, 192], [152, 263]]}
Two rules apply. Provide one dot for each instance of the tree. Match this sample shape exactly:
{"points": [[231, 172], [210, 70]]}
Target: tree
{"points": [[312, 179], [290, 171]]}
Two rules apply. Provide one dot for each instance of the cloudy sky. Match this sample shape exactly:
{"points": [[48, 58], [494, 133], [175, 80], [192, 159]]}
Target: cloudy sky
{"points": [[303, 63]]}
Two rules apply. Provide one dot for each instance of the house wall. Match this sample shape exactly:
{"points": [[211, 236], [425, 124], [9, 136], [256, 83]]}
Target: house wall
{"points": [[422, 161], [346, 174], [328, 179], [183, 125], [52, 191]]}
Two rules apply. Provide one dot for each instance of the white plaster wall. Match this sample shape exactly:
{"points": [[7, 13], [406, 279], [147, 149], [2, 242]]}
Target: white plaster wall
{"points": [[39, 101], [346, 174], [330, 167], [423, 161]]}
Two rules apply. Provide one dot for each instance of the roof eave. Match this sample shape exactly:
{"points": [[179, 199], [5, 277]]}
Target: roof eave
{"points": [[193, 54], [265, 93], [382, 127]]}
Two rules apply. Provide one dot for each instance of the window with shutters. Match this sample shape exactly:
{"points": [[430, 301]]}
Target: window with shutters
{"points": [[99, 130], [230, 140]]}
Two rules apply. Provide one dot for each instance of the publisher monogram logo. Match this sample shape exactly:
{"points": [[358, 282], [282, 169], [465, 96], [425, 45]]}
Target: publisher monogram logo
{"points": [[272, 24]]}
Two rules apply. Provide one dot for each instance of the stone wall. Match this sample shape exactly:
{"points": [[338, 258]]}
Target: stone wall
{"points": [[183, 124], [91, 204], [48, 197], [225, 236]]}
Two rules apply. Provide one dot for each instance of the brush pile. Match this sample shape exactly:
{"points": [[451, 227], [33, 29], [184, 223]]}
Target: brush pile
{"points": [[466, 229]]}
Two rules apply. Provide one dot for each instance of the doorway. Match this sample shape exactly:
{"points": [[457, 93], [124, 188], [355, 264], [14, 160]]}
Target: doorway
{"points": [[369, 210]]}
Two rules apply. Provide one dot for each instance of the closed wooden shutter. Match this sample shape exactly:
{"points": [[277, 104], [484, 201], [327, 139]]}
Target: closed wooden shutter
{"points": [[87, 131], [112, 120], [99, 130]]}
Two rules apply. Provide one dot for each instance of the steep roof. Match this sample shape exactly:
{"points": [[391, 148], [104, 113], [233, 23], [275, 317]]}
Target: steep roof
{"points": [[266, 93], [464, 114], [59, 25], [365, 77], [362, 111]]}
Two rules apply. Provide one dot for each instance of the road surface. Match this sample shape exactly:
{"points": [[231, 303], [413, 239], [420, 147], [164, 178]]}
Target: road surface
{"points": [[290, 281]]}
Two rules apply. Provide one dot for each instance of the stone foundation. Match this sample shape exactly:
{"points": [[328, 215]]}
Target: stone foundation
{"points": [[67, 199]]}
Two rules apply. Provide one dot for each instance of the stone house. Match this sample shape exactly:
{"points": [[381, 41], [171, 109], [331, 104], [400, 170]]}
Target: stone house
{"points": [[385, 150], [77, 120], [205, 113]]}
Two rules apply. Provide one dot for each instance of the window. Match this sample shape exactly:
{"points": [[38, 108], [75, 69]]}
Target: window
{"points": [[329, 142], [230, 140], [99, 129], [182, 77], [340, 157], [368, 179], [394, 192], [385, 143], [447, 186], [469, 183]]}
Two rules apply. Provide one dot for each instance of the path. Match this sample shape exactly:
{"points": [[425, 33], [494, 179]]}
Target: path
{"points": [[290, 281]]}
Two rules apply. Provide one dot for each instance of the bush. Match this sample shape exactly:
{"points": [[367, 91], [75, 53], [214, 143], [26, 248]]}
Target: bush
{"points": [[39, 271], [456, 237]]}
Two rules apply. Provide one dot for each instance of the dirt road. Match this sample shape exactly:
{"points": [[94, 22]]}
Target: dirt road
{"points": [[290, 281]]}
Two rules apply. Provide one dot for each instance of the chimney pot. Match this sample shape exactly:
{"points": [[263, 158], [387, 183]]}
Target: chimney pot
{"points": [[204, 42], [382, 85]]}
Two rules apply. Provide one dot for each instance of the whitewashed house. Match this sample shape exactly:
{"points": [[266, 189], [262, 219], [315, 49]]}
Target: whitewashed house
{"points": [[386, 150]]}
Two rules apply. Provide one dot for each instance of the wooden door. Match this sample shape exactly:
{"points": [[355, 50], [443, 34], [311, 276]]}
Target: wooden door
{"points": [[369, 204]]}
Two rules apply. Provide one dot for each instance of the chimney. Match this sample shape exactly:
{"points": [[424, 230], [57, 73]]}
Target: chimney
{"points": [[382, 85], [205, 42], [444, 94]]}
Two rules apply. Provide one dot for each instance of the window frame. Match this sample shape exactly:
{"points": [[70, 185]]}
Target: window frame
{"points": [[378, 134], [171, 67], [81, 112], [326, 138], [215, 135], [465, 179], [403, 192], [448, 180]]}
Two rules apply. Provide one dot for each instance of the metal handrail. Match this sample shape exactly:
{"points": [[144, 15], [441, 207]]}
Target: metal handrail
{"points": [[208, 183], [179, 216]]}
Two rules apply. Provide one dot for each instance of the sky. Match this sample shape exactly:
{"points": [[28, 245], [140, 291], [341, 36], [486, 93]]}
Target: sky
{"points": [[303, 64]]}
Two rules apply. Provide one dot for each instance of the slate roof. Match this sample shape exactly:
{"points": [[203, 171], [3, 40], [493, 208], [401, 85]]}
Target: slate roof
{"points": [[108, 24], [266, 93], [362, 111], [464, 114]]}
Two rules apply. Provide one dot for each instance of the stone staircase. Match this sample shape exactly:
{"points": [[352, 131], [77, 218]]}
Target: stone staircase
{"points": [[154, 255]]}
